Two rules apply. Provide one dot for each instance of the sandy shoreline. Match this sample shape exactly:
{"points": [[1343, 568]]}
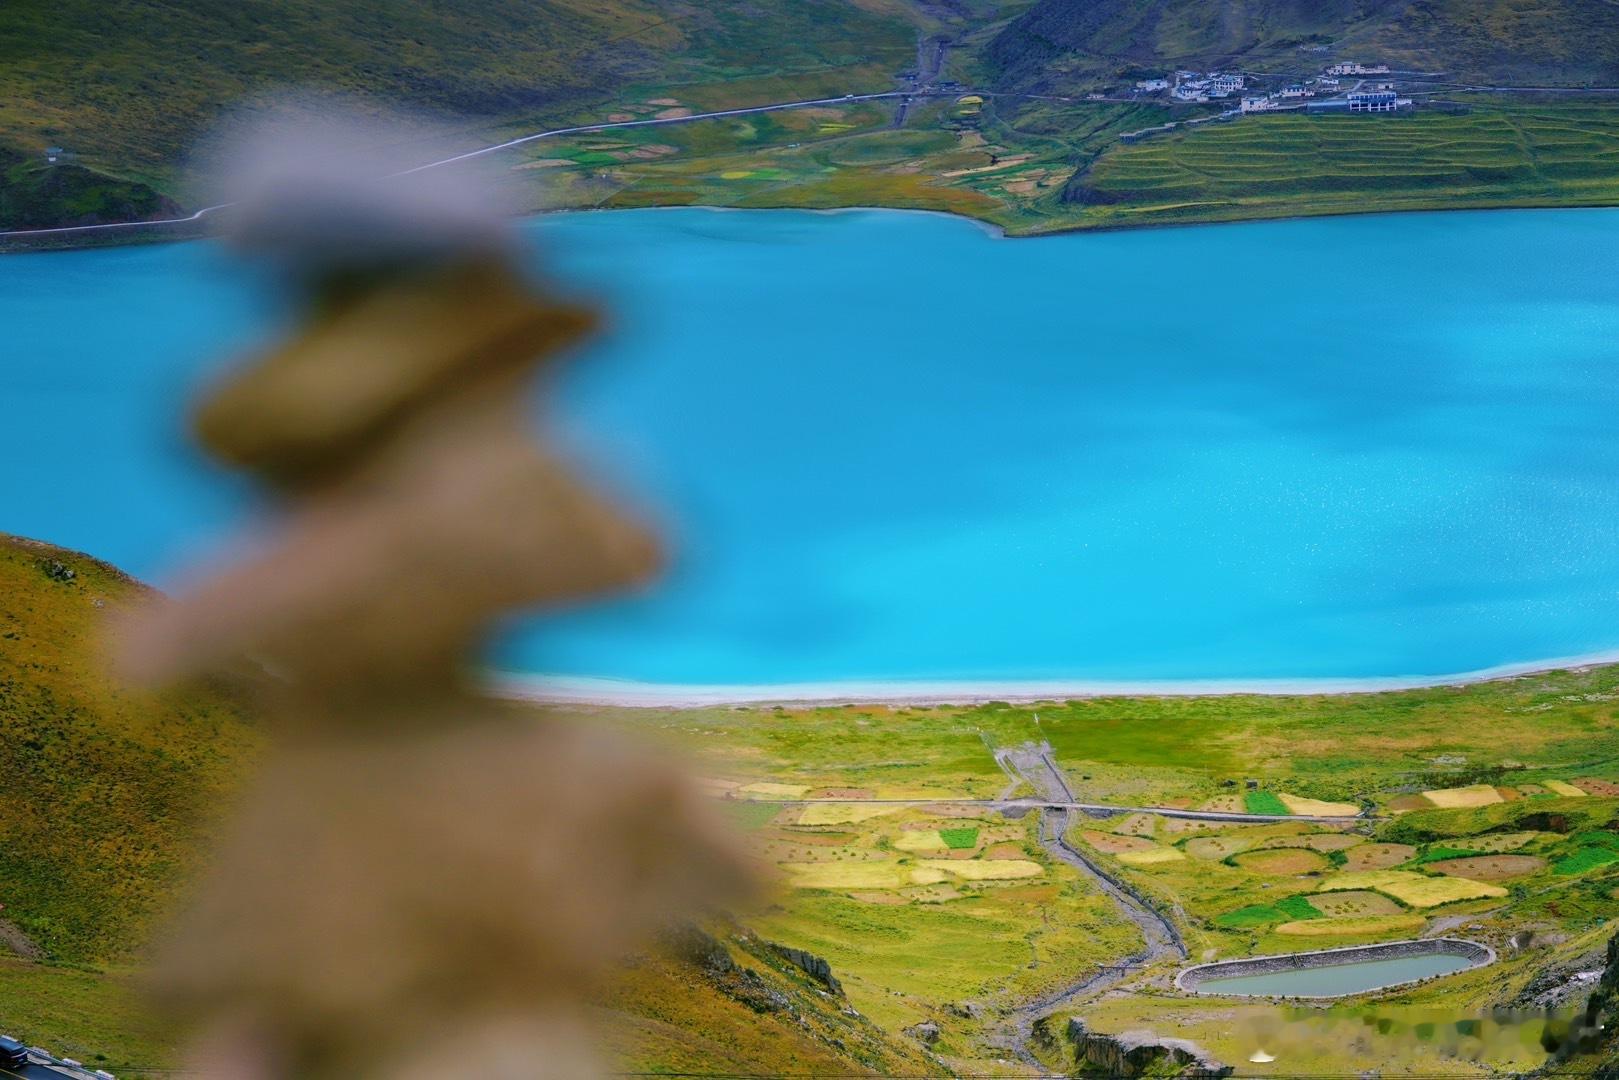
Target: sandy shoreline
{"points": [[576, 690]]}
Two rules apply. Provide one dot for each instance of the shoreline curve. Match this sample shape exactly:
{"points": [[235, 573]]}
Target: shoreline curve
{"points": [[1187, 980], [585, 690]]}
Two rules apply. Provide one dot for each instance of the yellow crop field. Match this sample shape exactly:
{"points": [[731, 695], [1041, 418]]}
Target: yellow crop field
{"points": [[985, 869], [1414, 890], [1297, 804], [1457, 797], [776, 791], [851, 875], [1346, 926], [920, 840], [1150, 858], [1567, 790], [842, 813]]}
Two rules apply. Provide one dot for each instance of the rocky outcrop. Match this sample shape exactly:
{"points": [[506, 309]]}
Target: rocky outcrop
{"points": [[927, 1032], [810, 964], [1139, 1053], [1588, 1046]]}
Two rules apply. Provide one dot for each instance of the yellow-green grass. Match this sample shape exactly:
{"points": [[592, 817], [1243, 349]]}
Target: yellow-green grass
{"points": [[107, 789], [857, 875], [774, 790], [1153, 857], [1414, 890], [842, 813], [665, 1014], [1353, 926], [984, 869]]}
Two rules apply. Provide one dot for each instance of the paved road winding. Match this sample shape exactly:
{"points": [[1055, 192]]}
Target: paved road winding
{"points": [[1160, 938]]}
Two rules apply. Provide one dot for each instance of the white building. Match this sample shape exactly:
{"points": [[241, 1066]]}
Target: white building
{"points": [[1228, 83], [1261, 103], [1152, 85], [1353, 68]]}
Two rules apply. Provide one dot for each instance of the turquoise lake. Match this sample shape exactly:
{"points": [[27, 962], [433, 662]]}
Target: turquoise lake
{"points": [[891, 446], [1338, 979]]}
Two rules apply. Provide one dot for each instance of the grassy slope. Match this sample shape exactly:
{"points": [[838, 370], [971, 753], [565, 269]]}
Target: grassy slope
{"points": [[1555, 42], [108, 791], [665, 1014], [128, 84], [105, 792], [104, 785]]}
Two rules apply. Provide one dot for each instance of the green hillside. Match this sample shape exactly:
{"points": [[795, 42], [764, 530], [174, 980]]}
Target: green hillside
{"points": [[105, 787], [1549, 42], [128, 84]]}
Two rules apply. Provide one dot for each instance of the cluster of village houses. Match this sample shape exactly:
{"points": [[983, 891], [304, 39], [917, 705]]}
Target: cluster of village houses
{"points": [[1319, 94]]}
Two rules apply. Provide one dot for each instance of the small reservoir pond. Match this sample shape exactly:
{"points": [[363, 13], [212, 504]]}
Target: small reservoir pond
{"points": [[1338, 979], [893, 448]]}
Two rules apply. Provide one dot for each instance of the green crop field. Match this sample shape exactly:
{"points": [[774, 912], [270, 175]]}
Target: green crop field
{"points": [[1263, 802]]}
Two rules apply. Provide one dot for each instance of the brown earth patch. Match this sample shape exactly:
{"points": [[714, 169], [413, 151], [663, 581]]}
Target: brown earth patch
{"points": [[1603, 788], [1281, 861], [1377, 856], [1401, 804], [841, 793], [1008, 850], [1114, 844], [1508, 794], [1488, 867]]}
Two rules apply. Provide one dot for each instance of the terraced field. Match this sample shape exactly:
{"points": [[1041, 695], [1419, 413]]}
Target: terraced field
{"points": [[1295, 164]]}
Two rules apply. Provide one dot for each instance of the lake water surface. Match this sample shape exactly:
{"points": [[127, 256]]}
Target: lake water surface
{"points": [[1338, 979], [889, 446]]}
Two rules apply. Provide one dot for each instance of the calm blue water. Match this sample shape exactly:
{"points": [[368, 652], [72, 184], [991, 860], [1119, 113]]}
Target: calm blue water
{"points": [[1338, 979], [890, 446]]}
